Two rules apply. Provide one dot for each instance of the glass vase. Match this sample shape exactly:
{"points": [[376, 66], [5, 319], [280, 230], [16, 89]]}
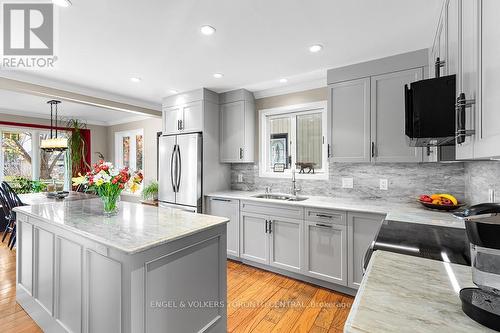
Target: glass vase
{"points": [[110, 205]]}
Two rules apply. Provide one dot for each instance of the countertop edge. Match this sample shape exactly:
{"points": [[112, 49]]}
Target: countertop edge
{"points": [[105, 242]]}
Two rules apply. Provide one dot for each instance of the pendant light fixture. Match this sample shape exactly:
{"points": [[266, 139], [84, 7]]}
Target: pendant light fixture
{"points": [[54, 143]]}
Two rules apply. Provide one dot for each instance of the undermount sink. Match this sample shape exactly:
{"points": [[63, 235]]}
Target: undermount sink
{"points": [[284, 197]]}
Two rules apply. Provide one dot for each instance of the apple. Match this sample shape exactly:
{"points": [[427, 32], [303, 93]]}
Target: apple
{"points": [[425, 198]]}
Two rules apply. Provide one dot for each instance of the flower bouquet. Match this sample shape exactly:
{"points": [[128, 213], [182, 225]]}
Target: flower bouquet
{"points": [[108, 182]]}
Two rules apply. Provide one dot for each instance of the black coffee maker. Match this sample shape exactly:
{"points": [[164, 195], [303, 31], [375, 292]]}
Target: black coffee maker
{"points": [[482, 223]]}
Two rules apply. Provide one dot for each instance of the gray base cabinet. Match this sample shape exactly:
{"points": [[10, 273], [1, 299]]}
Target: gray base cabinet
{"points": [[228, 208], [285, 243], [361, 228], [254, 238]]}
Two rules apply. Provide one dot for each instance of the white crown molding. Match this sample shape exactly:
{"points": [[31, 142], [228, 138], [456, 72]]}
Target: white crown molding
{"points": [[282, 90], [46, 117], [127, 120]]}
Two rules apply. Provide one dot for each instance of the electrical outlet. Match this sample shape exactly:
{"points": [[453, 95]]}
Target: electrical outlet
{"points": [[347, 183], [384, 184], [491, 195], [240, 178]]}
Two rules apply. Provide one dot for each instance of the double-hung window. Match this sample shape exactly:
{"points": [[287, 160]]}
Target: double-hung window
{"points": [[294, 137], [129, 149]]}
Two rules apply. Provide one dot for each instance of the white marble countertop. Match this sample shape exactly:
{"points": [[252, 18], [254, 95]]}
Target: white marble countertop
{"points": [[135, 228], [41, 198], [402, 293], [395, 211]]}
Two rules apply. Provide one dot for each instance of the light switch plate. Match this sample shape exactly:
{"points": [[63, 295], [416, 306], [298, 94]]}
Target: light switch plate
{"points": [[347, 183], [240, 178], [491, 195], [384, 184]]}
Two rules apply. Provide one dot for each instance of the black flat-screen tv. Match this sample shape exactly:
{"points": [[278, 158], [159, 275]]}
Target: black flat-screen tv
{"points": [[430, 111]]}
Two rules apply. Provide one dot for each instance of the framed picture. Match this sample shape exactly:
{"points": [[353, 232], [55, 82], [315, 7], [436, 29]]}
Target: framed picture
{"points": [[279, 167], [279, 150]]}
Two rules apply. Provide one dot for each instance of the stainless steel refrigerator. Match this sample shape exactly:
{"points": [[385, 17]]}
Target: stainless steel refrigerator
{"points": [[180, 171]]}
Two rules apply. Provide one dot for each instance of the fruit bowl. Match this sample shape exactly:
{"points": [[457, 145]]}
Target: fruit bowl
{"points": [[447, 208], [443, 201]]}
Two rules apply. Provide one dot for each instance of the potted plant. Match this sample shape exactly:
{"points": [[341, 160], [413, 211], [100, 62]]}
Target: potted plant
{"points": [[150, 192], [108, 182]]}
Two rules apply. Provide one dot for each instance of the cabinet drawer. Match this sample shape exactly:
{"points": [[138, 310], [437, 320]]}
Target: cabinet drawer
{"points": [[273, 210], [326, 216]]}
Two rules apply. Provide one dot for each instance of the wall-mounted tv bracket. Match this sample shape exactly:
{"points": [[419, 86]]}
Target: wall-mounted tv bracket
{"points": [[437, 65], [460, 107]]}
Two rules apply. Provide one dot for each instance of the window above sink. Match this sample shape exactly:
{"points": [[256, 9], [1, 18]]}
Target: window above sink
{"points": [[294, 137]]}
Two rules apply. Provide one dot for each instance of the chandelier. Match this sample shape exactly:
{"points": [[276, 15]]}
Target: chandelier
{"points": [[54, 143]]}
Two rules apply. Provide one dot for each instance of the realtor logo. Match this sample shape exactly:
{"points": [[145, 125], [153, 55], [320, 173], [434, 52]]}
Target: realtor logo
{"points": [[28, 35]]}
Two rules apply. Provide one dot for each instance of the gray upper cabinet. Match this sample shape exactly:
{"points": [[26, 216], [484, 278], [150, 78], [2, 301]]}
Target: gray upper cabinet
{"points": [[472, 42], [367, 109], [230, 209], [350, 114], [488, 141], [237, 127], [185, 113], [362, 228], [388, 117]]}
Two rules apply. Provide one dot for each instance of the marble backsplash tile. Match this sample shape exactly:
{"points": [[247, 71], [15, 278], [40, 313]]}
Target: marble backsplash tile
{"points": [[406, 180], [479, 177]]}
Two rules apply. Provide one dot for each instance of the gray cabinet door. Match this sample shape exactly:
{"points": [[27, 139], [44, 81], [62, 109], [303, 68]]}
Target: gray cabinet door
{"points": [[467, 78], [232, 132], [388, 117], [487, 143], [254, 238], [171, 117], [285, 243], [192, 118], [350, 120], [325, 255], [452, 36], [230, 209], [361, 230]]}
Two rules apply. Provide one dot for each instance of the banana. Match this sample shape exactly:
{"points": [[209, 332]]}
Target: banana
{"points": [[450, 197]]}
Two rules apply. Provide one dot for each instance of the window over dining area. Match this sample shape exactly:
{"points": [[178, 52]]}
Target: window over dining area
{"points": [[294, 137]]}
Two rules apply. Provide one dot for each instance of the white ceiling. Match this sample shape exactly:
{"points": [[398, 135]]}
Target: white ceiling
{"points": [[104, 43], [36, 106]]}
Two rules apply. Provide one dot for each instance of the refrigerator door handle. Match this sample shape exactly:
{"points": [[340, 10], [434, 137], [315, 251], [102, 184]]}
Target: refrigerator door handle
{"points": [[179, 168], [172, 168]]}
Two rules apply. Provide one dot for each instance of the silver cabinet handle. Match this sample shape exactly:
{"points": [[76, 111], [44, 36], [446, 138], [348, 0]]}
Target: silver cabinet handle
{"points": [[219, 199], [266, 225], [460, 107], [329, 151], [241, 153], [373, 149], [270, 226], [323, 225], [325, 216]]}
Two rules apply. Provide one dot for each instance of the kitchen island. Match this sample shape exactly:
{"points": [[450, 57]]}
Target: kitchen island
{"points": [[80, 271]]}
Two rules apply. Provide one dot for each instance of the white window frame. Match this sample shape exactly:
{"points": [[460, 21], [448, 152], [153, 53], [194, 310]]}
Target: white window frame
{"points": [[119, 147], [264, 115], [35, 151]]}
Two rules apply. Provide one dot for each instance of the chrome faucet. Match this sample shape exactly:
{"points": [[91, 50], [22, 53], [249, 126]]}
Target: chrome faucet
{"points": [[294, 189], [268, 189]]}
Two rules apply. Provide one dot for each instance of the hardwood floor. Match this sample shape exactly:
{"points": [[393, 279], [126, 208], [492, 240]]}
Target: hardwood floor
{"points": [[12, 316], [258, 301]]}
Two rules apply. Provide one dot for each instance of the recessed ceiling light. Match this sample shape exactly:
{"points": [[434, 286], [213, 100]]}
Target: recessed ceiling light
{"points": [[135, 79], [62, 3], [173, 91], [315, 48], [283, 80], [207, 30], [218, 75]]}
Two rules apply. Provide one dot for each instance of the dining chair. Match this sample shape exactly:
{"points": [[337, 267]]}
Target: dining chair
{"points": [[12, 200], [7, 210]]}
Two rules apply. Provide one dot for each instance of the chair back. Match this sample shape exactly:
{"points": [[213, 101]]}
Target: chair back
{"points": [[7, 209], [12, 196]]}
